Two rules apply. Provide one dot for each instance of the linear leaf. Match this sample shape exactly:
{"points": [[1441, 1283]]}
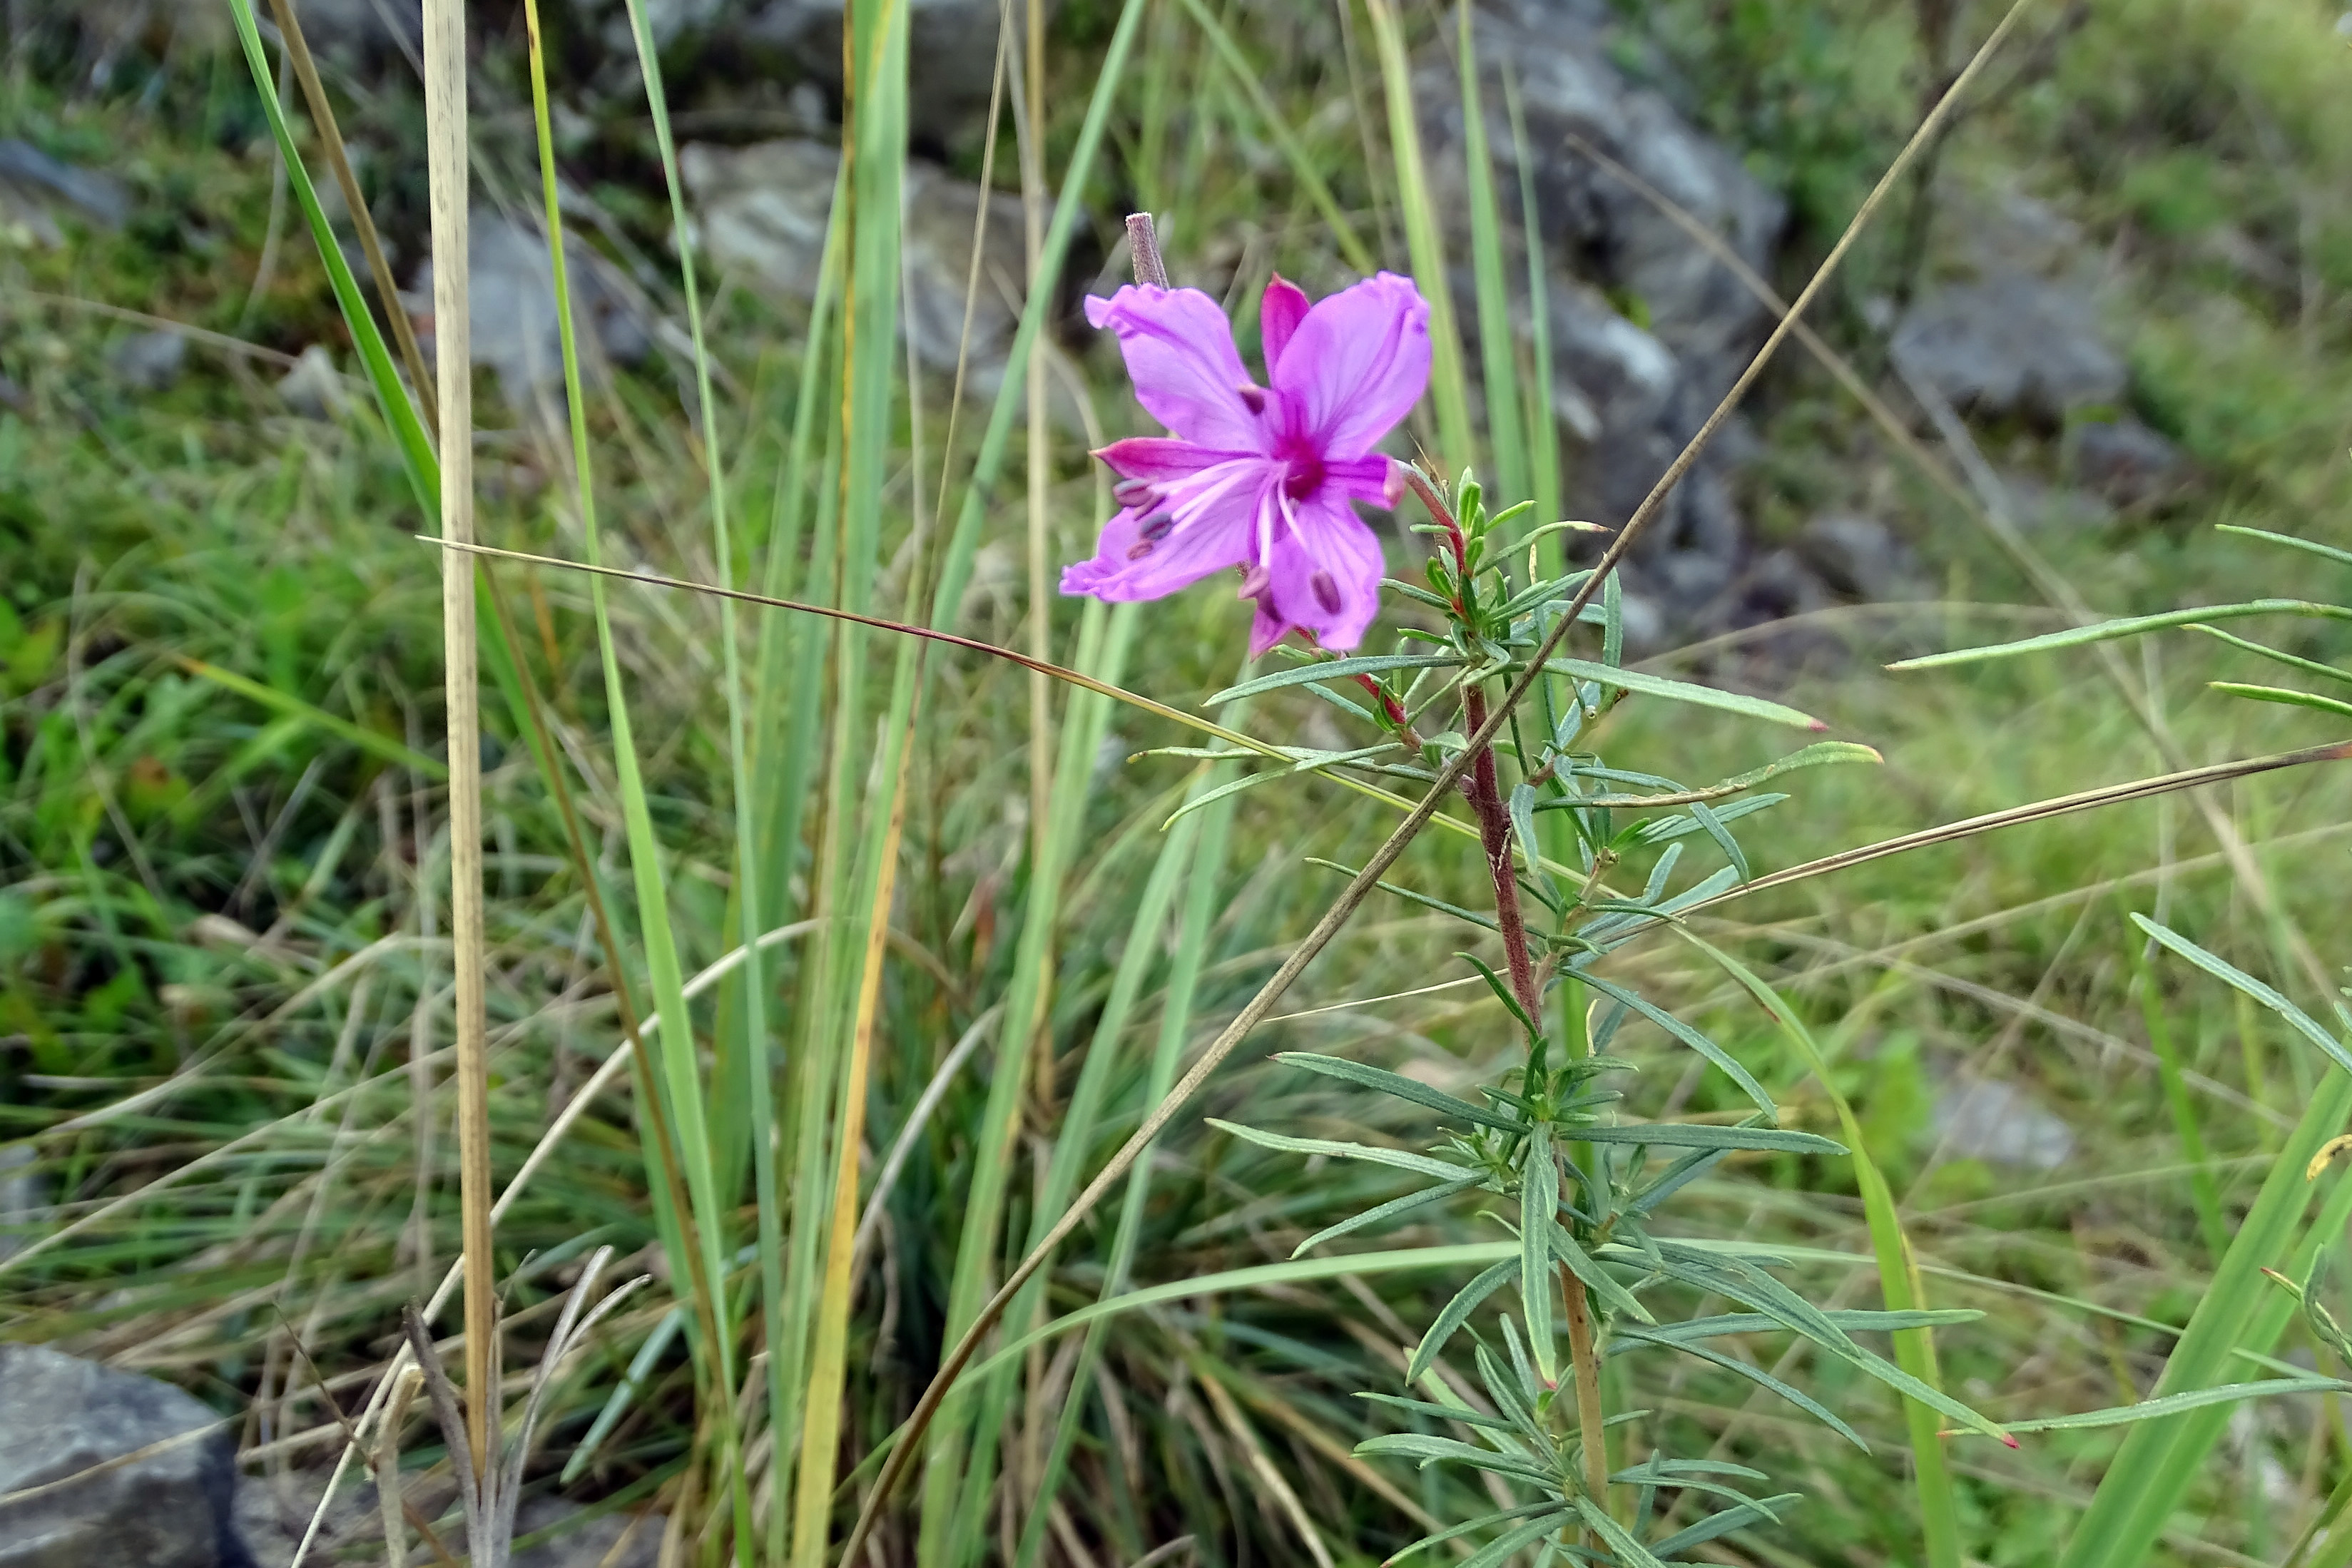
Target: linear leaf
{"points": [[1457, 1311], [2174, 1404], [1503, 1547], [1384, 1213], [1755, 1374], [1402, 1159], [1699, 1135], [1335, 669], [2285, 696], [2325, 551], [1844, 1318], [2238, 979], [1716, 1525], [1401, 1087], [1689, 1036], [1425, 1450], [2124, 626], [1672, 690], [1604, 1284], [1550, 1508], [1538, 1209]]}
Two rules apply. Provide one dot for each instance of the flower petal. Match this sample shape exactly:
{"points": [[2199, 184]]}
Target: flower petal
{"points": [[1358, 363], [1177, 537], [1278, 315], [1161, 459], [1322, 572], [1180, 355]]}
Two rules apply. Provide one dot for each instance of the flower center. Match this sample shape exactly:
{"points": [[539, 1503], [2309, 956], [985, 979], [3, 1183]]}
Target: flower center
{"points": [[1303, 471]]}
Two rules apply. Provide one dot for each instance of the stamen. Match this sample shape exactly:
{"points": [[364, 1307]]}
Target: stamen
{"points": [[1156, 527], [1252, 398], [1138, 493], [1140, 549], [1327, 591]]}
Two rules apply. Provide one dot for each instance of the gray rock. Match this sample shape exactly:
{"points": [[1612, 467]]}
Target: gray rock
{"points": [[2126, 462], [511, 305], [1860, 557], [313, 389], [1648, 328], [2010, 343], [592, 1544], [35, 187], [762, 212], [2001, 1123], [60, 1416], [150, 361]]}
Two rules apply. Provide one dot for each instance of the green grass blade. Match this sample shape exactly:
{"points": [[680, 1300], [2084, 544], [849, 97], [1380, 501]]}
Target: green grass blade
{"points": [[1423, 239], [1302, 167], [1543, 428], [2125, 627], [758, 1109], [1898, 1274], [1497, 354], [2144, 1483]]}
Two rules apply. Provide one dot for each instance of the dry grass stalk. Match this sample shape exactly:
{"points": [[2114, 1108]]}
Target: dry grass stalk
{"points": [[445, 129]]}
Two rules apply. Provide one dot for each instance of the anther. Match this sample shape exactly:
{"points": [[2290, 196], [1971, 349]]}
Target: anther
{"points": [[1327, 591], [1156, 527], [1134, 492], [1252, 398], [1140, 549]]}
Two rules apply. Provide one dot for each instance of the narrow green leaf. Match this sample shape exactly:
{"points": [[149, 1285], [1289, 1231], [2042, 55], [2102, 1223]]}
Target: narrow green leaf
{"points": [[1402, 1159], [1457, 1311], [2124, 626], [1538, 1212], [1604, 1284], [1700, 1135], [1401, 1087], [2285, 696], [2175, 1404], [1668, 690], [1689, 1036], [1336, 669], [2238, 980], [1714, 1526], [2324, 552], [1755, 1374], [1392, 1209]]}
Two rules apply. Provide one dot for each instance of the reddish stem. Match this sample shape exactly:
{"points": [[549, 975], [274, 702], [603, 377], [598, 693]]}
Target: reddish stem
{"points": [[1486, 795]]}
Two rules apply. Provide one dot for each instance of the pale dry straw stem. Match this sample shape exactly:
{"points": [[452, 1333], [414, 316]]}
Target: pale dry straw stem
{"points": [[1029, 127], [446, 147], [1359, 887]]}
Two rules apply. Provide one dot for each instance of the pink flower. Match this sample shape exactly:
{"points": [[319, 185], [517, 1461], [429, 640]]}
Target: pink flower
{"points": [[1260, 477]]}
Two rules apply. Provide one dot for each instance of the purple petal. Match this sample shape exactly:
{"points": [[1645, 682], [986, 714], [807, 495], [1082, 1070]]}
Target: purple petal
{"points": [[1278, 315], [1358, 363], [1323, 573], [1177, 537], [1161, 459], [1180, 356]]}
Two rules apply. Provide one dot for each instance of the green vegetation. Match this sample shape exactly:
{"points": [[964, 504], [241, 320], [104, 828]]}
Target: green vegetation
{"points": [[224, 968]]}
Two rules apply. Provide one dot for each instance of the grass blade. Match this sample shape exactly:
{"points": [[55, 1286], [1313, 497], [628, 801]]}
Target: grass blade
{"points": [[1898, 1272], [1423, 239], [1498, 355]]}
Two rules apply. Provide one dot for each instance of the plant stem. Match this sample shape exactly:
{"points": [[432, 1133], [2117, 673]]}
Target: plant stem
{"points": [[1495, 833], [1590, 1419]]}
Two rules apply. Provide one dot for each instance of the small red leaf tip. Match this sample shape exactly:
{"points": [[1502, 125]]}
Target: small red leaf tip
{"points": [[2009, 1441], [1817, 727]]}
